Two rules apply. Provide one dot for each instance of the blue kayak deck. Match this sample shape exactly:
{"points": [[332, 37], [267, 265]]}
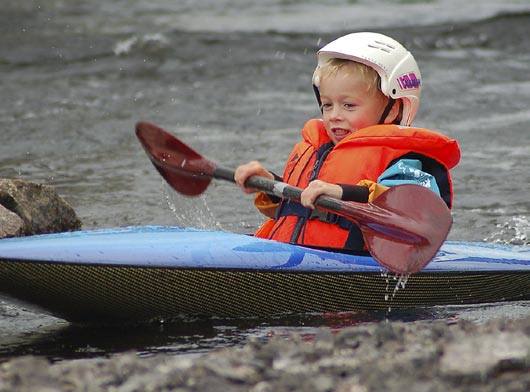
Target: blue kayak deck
{"points": [[161, 246]]}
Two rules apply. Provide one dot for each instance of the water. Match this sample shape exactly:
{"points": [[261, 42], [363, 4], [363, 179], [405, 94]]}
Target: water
{"points": [[233, 79]]}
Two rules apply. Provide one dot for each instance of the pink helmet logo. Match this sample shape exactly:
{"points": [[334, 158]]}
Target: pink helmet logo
{"points": [[408, 81]]}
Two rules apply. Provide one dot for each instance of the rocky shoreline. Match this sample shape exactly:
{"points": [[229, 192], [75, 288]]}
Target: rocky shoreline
{"points": [[388, 356]]}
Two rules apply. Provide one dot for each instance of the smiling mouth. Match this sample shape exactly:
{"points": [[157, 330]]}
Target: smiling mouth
{"points": [[340, 132]]}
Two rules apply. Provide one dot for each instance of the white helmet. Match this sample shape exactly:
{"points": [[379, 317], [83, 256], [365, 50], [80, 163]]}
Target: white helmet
{"points": [[400, 75]]}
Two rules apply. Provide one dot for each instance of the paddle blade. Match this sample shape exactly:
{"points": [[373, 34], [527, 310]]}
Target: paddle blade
{"points": [[183, 168], [419, 224]]}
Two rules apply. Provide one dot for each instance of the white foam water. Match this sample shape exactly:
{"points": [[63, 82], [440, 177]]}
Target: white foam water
{"points": [[398, 281]]}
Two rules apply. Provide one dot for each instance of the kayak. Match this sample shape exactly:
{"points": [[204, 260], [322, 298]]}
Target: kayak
{"points": [[144, 273]]}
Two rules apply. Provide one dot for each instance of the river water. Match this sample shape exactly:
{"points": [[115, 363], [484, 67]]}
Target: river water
{"points": [[232, 78]]}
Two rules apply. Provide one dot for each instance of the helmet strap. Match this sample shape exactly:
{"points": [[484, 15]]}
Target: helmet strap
{"points": [[317, 94], [389, 105]]}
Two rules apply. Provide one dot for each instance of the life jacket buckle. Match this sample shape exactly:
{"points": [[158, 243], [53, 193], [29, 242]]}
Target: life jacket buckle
{"points": [[323, 216], [318, 214]]}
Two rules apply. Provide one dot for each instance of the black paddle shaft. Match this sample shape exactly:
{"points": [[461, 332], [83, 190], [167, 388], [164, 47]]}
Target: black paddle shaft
{"points": [[276, 188]]}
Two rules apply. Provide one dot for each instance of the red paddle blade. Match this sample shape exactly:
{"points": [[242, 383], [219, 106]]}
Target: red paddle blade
{"points": [[183, 168], [419, 222]]}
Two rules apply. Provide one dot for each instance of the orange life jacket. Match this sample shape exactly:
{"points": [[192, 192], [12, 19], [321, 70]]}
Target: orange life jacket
{"points": [[363, 155]]}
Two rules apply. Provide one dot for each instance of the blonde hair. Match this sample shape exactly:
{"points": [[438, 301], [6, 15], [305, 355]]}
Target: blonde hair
{"points": [[333, 65]]}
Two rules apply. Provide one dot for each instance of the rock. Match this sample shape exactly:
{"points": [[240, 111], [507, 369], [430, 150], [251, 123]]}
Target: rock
{"points": [[28, 208], [11, 225], [415, 357], [479, 357]]}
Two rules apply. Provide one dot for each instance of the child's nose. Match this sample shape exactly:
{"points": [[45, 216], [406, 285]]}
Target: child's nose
{"points": [[335, 113]]}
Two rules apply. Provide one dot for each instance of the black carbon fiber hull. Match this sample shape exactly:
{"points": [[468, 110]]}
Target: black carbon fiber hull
{"points": [[83, 293]]}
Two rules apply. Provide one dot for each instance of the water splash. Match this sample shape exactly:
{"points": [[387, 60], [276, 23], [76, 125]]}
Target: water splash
{"points": [[191, 211], [514, 231], [148, 43], [400, 281]]}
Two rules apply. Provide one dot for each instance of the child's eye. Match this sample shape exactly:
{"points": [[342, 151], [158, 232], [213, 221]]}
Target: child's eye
{"points": [[349, 106], [326, 106]]}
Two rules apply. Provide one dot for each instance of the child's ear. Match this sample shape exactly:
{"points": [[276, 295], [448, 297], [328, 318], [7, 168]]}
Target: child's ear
{"points": [[396, 113]]}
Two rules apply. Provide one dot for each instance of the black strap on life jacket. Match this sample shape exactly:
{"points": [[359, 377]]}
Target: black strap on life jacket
{"points": [[303, 213], [293, 208], [322, 154]]}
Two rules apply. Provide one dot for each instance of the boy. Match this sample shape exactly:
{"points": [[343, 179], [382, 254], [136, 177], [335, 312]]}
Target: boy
{"points": [[368, 88]]}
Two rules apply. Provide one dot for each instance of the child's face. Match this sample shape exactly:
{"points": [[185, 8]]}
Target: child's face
{"points": [[348, 104]]}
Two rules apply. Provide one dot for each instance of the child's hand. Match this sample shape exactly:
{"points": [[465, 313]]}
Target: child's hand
{"points": [[315, 189], [247, 170]]}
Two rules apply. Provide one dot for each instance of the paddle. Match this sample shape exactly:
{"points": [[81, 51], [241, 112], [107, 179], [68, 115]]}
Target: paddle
{"points": [[403, 228]]}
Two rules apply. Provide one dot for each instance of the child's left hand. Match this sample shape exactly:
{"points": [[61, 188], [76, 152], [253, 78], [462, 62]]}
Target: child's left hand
{"points": [[315, 189]]}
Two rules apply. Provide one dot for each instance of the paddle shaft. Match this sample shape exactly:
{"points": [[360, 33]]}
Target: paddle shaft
{"points": [[369, 214]]}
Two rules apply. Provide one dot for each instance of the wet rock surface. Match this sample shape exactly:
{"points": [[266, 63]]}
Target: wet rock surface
{"points": [[394, 356], [27, 208]]}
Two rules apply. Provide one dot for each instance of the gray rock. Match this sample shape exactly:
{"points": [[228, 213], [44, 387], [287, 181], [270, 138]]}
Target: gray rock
{"points": [[424, 356], [27, 208], [479, 357], [11, 225]]}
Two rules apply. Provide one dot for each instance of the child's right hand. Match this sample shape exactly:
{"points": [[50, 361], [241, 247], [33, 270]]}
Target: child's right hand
{"points": [[317, 188], [247, 170]]}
